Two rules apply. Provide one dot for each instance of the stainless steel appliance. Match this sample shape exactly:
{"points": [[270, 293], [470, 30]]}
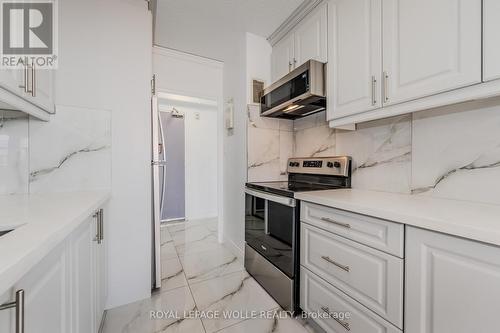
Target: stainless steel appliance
{"points": [[272, 216], [298, 94]]}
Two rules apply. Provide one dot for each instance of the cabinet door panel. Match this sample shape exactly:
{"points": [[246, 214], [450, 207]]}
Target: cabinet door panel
{"points": [[81, 277], [11, 79], [430, 47], [491, 46], [311, 38], [44, 90], [282, 57], [355, 56], [452, 284], [46, 289], [7, 316]]}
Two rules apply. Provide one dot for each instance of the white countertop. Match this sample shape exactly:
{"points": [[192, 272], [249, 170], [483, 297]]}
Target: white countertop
{"points": [[40, 223], [476, 221]]}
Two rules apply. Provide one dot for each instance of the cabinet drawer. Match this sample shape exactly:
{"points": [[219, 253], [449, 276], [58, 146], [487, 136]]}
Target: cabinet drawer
{"points": [[380, 234], [371, 277], [317, 296]]}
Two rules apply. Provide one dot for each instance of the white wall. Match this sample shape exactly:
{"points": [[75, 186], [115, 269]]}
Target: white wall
{"points": [[201, 158], [258, 62], [105, 64], [201, 162], [224, 40], [189, 75]]}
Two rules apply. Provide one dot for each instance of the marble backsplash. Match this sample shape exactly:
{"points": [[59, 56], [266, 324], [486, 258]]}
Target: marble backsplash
{"points": [[451, 152], [71, 152], [14, 152]]}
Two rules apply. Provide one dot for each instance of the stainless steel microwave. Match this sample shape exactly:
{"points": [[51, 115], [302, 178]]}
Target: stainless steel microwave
{"points": [[298, 94]]}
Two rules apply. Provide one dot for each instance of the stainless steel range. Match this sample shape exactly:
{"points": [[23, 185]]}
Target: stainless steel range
{"points": [[272, 216]]}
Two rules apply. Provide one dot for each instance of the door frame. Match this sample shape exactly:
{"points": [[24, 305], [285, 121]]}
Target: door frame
{"points": [[219, 98]]}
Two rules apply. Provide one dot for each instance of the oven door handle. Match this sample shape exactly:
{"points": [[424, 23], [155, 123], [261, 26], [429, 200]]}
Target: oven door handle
{"points": [[290, 202]]}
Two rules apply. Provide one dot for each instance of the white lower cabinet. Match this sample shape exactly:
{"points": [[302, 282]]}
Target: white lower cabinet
{"points": [[452, 284], [65, 291], [6, 316], [371, 277], [337, 312], [47, 294]]}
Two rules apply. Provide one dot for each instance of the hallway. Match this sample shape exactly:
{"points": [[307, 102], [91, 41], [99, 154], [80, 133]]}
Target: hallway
{"points": [[199, 274]]}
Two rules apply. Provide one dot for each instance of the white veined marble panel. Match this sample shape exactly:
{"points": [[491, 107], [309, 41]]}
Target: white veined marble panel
{"points": [[381, 152], [71, 152], [456, 152], [14, 153]]}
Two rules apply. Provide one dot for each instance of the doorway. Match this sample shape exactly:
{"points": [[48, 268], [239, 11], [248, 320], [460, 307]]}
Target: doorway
{"points": [[188, 144]]}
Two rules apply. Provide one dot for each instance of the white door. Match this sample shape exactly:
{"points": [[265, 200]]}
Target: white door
{"points": [[355, 57], [282, 57], [491, 46], [430, 47], [311, 37], [47, 299], [452, 284], [82, 269]]}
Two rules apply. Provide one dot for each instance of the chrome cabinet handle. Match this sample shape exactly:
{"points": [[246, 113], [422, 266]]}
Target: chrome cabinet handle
{"points": [[99, 226], [97, 237], [333, 262], [289, 66], [386, 87], [19, 305], [33, 79], [341, 322], [25, 77], [374, 90], [345, 225]]}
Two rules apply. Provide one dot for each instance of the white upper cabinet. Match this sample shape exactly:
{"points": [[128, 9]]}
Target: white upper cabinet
{"points": [[43, 89], [282, 57], [430, 47], [355, 56], [491, 45], [311, 37], [452, 284], [307, 41], [12, 80], [29, 89]]}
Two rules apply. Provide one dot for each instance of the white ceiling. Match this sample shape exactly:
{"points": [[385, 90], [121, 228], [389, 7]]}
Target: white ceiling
{"points": [[261, 17]]}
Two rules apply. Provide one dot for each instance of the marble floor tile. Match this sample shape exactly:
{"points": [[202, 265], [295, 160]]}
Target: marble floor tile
{"points": [[278, 324], [210, 264], [200, 246], [168, 251], [232, 293], [172, 274], [164, 234], [137, 317], [190, 234]]}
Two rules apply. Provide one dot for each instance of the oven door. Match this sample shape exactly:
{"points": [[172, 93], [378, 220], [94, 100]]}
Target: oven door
{"points": [[271, 228]]}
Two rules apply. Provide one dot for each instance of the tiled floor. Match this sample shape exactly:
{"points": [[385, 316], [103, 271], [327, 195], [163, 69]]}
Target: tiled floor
{"points": [[199, 274]]}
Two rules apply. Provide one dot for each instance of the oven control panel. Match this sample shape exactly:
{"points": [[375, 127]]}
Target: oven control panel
{"points": [[335, 165]]}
